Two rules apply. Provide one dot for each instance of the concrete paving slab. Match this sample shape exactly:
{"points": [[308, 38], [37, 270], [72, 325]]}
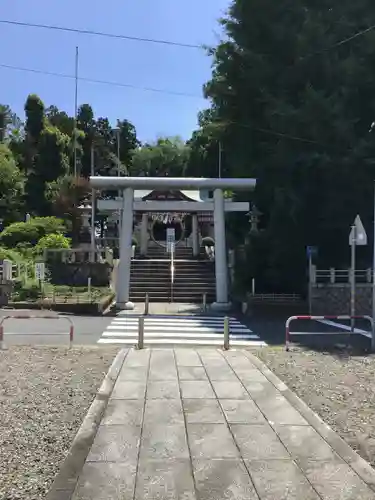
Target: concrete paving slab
{"points": [[124, 389], [162, 359], [258, 442], [223, 480], [238, 360], [335, 480], [203, 411], [196, 389], [250, 376], [137, 358], [224, 373], [167, 389], [160, 441], [164, 480], [192, 373], [211, 441], [104, 481], [124, 412], [163, 412], [229, 390], [187, 357], [163, 373], [240, 411], [115, 443], [133, 373], [261, 390], [280, 480], [279, 411], [304, 442]]}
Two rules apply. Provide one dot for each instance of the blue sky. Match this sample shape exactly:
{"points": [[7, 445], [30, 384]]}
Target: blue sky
{"points": [[135, 63]]}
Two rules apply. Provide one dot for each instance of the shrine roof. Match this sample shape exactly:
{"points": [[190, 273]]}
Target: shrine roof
{"points": [[192, 195]]}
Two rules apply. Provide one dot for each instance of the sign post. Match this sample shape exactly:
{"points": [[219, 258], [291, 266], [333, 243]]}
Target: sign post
{"points": [[311, 252], [358, 237], [171, 237]]}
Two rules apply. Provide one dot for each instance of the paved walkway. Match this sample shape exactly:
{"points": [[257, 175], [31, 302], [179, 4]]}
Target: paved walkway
{"points": [[208, 425]]}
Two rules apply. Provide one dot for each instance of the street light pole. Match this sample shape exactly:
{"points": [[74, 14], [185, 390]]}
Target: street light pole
{"points": [[220, 155], [92, 169], [373, 282], [75, 112], [118, 151], [352, 282]]}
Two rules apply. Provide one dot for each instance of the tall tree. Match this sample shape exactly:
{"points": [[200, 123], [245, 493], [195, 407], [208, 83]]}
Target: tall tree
{"points": [[11, 187], [166, 156], [46, 158], [294, 107]]}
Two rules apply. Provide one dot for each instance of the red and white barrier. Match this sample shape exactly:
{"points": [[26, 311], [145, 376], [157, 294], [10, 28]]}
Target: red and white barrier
{"points": [[30, 316], [288, 333]]}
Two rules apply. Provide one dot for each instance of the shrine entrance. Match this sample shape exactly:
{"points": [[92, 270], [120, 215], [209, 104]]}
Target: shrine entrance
{"points": [[150, 196], [159, 231]]}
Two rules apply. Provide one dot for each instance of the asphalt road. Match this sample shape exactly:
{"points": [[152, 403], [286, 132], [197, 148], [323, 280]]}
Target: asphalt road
{"points": [[88, 330], [38, 331]]}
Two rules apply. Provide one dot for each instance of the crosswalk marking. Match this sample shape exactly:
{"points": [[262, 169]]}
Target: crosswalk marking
{"points": [[188, 330]]}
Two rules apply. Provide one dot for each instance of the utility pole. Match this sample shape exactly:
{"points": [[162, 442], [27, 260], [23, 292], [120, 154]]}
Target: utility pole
{"points": [[118, 151], [220, 156], [373, 283], [92, 158], [75, 113]]}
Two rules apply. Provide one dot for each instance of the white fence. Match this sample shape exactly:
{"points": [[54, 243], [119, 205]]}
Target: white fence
{"points": [[339, 276], [21, 270]]}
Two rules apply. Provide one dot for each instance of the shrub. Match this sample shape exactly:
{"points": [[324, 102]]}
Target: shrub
{"points": [[7, 253], [24, 292], [19, 233], [52, 241], [134, 241], [26, 234], [208, 242], [48, 225]]}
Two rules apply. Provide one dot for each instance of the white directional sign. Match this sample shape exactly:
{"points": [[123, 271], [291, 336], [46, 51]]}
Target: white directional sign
{"points": [[359, 234], [171, 237], [39, 271]]}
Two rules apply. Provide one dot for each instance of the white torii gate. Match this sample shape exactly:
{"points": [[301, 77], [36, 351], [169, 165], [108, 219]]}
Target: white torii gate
{"points": [[129, 184]]}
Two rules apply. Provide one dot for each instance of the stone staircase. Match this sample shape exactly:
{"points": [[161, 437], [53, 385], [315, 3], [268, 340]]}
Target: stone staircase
{"points": [[193, 277], [182, 252]]}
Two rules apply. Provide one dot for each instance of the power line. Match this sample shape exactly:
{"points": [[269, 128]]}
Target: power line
{"points": [[101, 33], [103, 82], [340, 43], [164, 42]]}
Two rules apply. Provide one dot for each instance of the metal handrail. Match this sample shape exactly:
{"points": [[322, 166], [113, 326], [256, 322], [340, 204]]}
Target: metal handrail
{"points": [[172, 270]]}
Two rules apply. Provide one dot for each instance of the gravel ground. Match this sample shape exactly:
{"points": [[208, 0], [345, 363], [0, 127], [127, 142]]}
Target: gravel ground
{"points": [[338, 387], [44, 395]]}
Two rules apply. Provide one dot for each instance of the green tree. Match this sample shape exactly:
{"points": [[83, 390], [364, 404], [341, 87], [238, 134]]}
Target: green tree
{"points": [[167, 156], [66, 194], [11, 187], [46, 154], [293, 107]]}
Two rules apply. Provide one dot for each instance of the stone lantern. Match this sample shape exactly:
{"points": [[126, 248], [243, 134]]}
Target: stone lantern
{"points": [[86, 229]]}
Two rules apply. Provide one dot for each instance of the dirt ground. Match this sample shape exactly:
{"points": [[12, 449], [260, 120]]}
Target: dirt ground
{"points": [[44, 395]]}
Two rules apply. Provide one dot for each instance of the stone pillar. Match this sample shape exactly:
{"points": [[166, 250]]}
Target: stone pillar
{"points": [[195, 235], [144, 234], [221, 268], [123, 270]]}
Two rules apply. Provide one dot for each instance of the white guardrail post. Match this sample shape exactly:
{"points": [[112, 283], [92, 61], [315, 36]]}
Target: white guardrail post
{"points": [[28, 316], [288, 333]]}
